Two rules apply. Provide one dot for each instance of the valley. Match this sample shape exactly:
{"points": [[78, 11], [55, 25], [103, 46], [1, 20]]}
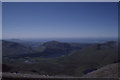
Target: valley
{"points": [[56, 58]]}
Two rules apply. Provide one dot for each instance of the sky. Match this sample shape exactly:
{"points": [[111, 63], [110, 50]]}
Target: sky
{"points": [[59, 20]]}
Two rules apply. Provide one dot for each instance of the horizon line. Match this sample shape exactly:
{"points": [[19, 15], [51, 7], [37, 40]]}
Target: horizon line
{"points": [[59, 0], [67, 38]]}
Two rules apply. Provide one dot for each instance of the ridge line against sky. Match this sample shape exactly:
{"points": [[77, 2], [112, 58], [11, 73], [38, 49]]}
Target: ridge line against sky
{"points": [[60, 0]]}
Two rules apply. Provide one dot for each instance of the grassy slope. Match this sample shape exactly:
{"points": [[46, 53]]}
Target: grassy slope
{"points": [[13, 49]]}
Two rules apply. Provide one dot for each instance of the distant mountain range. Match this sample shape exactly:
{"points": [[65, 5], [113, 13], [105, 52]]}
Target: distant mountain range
{"points": [[80, 61], [47, 49], [13, 48]]}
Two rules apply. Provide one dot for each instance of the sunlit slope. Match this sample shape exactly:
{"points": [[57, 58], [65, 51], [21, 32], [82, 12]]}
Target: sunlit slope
{"points": [[109, 71]]}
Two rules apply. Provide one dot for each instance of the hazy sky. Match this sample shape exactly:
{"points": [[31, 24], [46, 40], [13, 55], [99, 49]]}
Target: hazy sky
{"points": [[60, 20]]}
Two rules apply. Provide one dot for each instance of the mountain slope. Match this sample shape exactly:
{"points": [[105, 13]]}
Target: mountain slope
{"points": [[78, 63], [50, 49], [89, 59], [109, 71], [11, 49]]}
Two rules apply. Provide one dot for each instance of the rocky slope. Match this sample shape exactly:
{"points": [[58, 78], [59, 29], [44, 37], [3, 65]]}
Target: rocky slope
{"points": [[109, 71]]}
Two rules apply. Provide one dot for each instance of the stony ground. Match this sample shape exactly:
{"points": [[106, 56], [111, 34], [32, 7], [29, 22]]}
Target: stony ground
{"points": [[109, 71], [20, 75]]}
